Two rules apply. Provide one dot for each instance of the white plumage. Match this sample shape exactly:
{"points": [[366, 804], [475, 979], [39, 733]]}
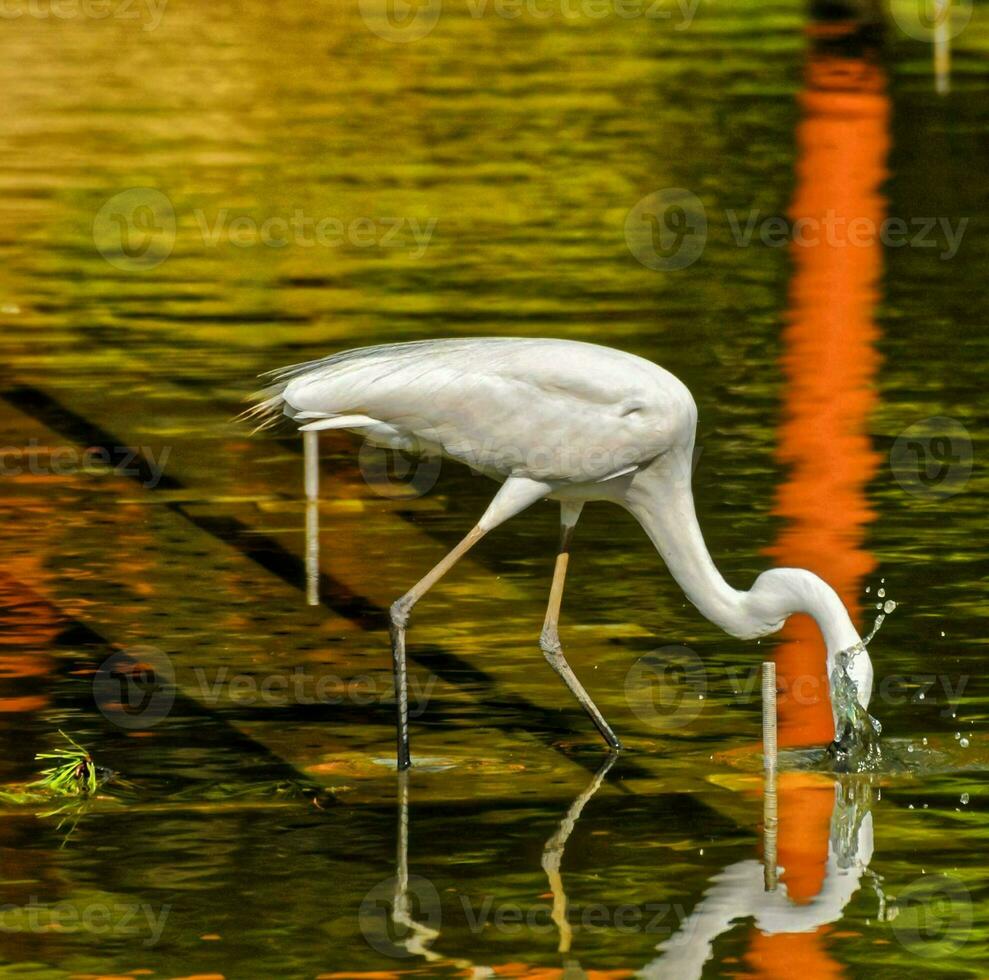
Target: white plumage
{"points": [[550, 410], [561, 419]]}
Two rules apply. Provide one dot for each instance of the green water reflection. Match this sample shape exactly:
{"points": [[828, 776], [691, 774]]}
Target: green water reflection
{"points": [[309, 185]]}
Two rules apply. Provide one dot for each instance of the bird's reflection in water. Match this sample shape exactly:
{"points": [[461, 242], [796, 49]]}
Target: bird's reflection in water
{"points": [[420, 937], [775, 899], [758, 891], [553, 858], [415, 937]]}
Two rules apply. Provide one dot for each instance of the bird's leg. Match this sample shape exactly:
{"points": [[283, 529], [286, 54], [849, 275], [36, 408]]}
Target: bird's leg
{"points": [[549, 641], [400, 611], [515, 495]]}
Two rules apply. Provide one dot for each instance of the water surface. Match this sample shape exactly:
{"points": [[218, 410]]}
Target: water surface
{"points": [[266, 833]]}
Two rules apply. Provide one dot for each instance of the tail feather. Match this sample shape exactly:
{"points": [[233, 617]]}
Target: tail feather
{"points": [[270, 404], [267, 411], [424, 356]]}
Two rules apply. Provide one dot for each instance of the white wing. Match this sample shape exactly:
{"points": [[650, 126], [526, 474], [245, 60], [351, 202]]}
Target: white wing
{"points": [[551, 410]]}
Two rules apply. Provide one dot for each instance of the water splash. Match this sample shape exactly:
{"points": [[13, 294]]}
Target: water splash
{"points": [[885, 608], [856, 745], [880, 619]]}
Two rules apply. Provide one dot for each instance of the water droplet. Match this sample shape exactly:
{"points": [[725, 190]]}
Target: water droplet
{"points": [[964, 743], [925, 740], [881, 593], [889, 606], [868, 589], [958, 735], [942, 632], [910, 748], [921, 695], [964, 798], [879, 605]]}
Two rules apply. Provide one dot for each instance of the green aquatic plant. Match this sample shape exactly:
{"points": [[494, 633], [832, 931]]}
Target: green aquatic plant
{"points": [[73, 776], [75, 773]]}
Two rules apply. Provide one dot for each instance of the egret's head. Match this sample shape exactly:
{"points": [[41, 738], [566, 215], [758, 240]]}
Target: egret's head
{"points": [[780, 592]]}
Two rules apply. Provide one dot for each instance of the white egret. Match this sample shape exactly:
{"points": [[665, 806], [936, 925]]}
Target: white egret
{"points": [[557, 419]]}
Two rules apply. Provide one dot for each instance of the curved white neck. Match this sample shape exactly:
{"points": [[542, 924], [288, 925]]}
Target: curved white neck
{"points": [[660, 498]]}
